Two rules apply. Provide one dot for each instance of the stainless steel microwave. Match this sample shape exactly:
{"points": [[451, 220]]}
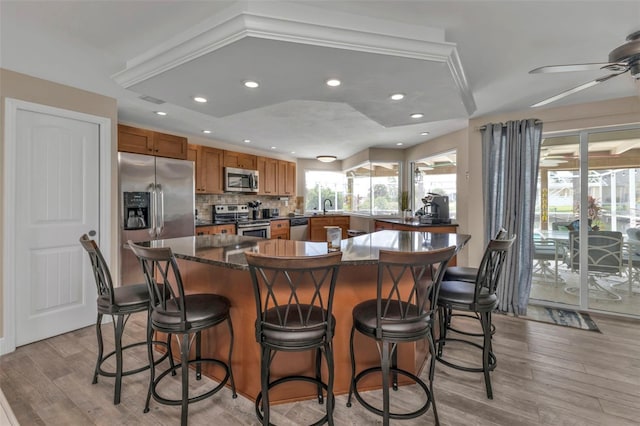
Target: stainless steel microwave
{"points": [[240, 180]]}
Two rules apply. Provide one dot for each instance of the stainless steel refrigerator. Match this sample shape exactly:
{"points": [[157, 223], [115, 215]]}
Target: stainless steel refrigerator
{"points": [[156, 199]]}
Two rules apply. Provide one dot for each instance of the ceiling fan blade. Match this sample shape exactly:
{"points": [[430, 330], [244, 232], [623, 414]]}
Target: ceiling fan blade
{"points": [[569, 68], [575, 89]]}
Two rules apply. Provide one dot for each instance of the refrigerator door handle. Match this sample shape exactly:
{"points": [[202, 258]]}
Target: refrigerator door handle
{"points": [[154, 209], [161, 210]]}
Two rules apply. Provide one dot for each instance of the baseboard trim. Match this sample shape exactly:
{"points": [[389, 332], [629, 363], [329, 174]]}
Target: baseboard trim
{"points": [[6, 413]]}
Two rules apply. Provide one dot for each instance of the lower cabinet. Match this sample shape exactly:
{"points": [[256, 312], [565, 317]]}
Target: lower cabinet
{"points": [[317, 224], [280, 229], [216, 229]]}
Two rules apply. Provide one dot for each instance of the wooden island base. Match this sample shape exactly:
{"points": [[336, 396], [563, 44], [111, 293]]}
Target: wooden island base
{"points": [[356, 283]]}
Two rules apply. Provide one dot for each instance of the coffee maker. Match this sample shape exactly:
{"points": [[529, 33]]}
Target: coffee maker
{"points": [[435, 210]]}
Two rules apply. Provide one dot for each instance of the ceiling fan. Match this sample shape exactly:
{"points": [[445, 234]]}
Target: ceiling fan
{"points": [[621, 59]]}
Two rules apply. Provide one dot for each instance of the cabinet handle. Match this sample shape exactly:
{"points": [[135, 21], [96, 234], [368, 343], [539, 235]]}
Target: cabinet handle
{"points": [[224, 231]]}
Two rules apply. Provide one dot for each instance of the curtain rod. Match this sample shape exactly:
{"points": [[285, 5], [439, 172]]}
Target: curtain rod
{"points": [[504, 125]]}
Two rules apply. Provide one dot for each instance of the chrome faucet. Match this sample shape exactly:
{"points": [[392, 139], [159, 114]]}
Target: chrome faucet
{"points": [[324, 205]]}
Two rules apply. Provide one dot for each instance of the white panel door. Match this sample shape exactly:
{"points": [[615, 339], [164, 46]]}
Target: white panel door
{"points": [[57, 200]]}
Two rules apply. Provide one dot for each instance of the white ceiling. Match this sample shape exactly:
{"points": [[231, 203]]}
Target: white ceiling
{"points": [[88, 44]]}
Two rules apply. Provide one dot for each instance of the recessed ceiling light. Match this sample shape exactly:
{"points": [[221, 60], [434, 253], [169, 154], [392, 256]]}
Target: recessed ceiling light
{"points": [[293, 152], [399, 143], [397, 96], [246, 140], [417, 115], [160, 112], [251, 84], [273, 147], [333, 82], [424, 133], [206, 131], [200, 99]]}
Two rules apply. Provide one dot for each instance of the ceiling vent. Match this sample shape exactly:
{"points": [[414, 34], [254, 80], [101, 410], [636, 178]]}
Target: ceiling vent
{"points": [[152, 99]]}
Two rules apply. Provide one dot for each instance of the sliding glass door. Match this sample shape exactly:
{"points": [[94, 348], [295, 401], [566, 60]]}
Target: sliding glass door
{"points": [[592, 178]]}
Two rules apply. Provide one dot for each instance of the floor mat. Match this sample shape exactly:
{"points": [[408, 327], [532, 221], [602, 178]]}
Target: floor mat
{"points": [[567, 318]]}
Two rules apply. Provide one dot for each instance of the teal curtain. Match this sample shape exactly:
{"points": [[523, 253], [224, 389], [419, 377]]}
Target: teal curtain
{"points": [[510, 156]]}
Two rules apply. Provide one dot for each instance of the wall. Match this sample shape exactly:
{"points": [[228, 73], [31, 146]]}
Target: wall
{"points": [[23, 87]]}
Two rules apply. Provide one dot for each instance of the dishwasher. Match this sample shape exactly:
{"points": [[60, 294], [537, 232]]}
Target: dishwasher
{"points": [[299, 228]]}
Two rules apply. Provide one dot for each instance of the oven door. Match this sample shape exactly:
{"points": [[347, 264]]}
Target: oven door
{"points": [[262, 231]]}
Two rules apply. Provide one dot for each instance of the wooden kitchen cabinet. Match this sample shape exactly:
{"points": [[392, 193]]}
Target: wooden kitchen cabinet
{"points": [[143, 141], [317, 224], [216, 229], [280, 229], [267, 176], [208, 169], [240, 160], [286, 178]]}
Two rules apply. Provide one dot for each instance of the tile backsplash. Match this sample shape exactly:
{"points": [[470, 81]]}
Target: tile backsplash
{"points": [[205, 201]]}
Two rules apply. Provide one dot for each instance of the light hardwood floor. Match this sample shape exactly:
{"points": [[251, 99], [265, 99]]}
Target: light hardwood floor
{"points": [[546, 375]]}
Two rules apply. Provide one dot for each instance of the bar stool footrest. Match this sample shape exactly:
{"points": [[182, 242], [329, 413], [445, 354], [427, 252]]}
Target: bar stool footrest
{"points": [[492, 358], [104, 373], [399, 416], [285, 379], [172, 370], [467, 333]]}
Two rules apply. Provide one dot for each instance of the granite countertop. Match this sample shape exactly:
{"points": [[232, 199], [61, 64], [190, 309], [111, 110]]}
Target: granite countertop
{"points": [[228, 250], [414, 223]]}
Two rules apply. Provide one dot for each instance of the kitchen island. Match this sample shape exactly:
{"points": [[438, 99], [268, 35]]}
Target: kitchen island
{"points": [[216, 264]]}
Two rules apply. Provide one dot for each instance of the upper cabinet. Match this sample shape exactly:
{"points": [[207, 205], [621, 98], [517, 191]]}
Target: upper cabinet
{"points": [[286, 178], [142, 141], [240, 160], [268, 176], [208, 162]]}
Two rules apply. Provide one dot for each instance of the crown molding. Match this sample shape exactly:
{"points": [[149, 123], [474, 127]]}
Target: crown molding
{"points": [[236, 24]]}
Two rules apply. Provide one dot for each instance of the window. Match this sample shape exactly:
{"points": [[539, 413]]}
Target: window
{"points": [[323, 185], [373, 188], [436, 174]]}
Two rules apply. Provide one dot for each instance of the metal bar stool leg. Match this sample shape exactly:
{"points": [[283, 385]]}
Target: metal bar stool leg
{"points": [[264, 375], [184, 358], [385, 383], [100, 348], [486, 351], [118, 329], [432, 371], [234, 395], [328, 352], [353, 366], [319, 374]]}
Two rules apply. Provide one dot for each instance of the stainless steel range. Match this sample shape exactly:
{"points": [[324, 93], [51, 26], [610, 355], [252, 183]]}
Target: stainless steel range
{"points": [[239, 214]]}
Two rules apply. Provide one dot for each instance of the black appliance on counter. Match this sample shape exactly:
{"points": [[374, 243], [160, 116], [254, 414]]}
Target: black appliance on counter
{"points": [[269, 213], [239, 214], [435, 210]]}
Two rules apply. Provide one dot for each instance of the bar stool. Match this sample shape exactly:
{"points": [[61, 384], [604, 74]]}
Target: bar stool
{"points": [[294, 300], [119, 303], [480, 298], [400, 314], [183, 314]]}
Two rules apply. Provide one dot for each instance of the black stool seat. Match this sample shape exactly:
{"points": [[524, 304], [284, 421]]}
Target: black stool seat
{"points": [[294, 299], [176, 313], [460, 273], [461, 295], [129, 298], [399, 315], [205, 310], [119, 303], [365, 320], [297, 333]]}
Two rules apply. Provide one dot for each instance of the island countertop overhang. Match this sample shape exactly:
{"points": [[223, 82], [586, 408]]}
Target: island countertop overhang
{"points": [[228, 250]]}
